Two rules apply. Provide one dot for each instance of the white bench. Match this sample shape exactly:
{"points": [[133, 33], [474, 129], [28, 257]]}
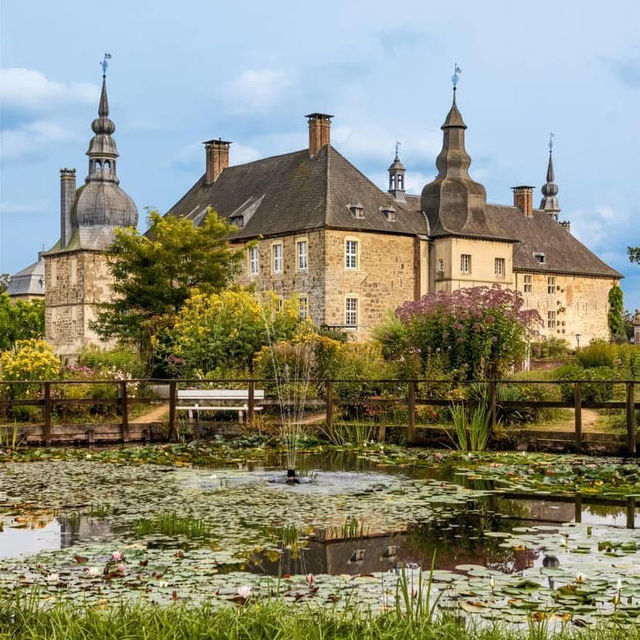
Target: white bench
{"points": [[207, 399]]}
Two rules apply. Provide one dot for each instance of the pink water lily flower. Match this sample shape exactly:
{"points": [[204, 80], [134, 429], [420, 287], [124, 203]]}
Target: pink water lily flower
{"points": [[117, 556], [244, 592], [309, 578], [121, 567]]}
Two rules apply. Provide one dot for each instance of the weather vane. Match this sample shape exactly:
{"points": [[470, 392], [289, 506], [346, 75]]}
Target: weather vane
{"points": [[456, 75], [105, 63], [551, 141]]}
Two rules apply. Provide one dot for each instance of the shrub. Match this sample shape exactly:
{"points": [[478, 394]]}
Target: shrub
{"points": [[479, 332], [598, 354], [552, 347], [119, 362], [29, 360], [591, 391]]}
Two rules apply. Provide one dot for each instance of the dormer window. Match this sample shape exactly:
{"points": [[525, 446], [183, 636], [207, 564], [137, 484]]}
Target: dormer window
{"points": [[540, 257], [389, 213], [357, 211], [237, 221]]}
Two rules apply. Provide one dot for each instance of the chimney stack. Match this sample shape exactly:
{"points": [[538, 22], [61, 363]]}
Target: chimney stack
{"points": [[67, 198], [319, 131], [217, 155], [523, 199]]}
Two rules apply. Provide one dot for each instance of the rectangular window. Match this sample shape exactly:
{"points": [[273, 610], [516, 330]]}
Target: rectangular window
{"points": [[465, 263], [253, 260], [551, 285], [303, 306], [499, 266], [551, 320], [440, 265], [302, 255], [277, 258], [351, 254], [351, 312], [528, 284]]}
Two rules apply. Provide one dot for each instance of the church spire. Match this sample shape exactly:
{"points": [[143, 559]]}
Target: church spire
{"points": [[102, 148], [396, 177], [549, 202]]}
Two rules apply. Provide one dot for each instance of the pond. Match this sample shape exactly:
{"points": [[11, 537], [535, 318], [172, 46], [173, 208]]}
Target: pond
{"points": [[358, 529]]}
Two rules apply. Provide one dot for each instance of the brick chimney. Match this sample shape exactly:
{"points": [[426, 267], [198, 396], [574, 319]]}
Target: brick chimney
{"points": [[217, 154], [319, 131], [67, 198], [523, 199]]}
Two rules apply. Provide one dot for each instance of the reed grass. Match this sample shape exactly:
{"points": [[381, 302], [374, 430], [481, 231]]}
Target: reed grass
{"points": [[170, 524], [26, 620]]}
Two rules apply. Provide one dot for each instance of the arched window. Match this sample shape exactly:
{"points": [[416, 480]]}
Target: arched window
{"points": [[107, 165], [98, 165]]}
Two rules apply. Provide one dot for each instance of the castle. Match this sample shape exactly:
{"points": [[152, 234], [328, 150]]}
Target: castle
{"points": [[349, 251]]}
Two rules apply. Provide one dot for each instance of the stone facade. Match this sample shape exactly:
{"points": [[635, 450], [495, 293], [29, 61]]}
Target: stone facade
{"points": [[76, 283]]}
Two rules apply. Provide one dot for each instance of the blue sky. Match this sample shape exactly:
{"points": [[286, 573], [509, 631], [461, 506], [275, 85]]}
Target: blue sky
{"points": [[249, 71]]}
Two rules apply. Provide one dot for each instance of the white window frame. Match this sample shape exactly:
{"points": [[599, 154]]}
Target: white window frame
{"points": [[303, 306], [351, 311], [500, 267], [528, 284], [465, 263], [302, 254], [351, 259], [277, 257], [254, 261], [552, 318], [551, 285]]}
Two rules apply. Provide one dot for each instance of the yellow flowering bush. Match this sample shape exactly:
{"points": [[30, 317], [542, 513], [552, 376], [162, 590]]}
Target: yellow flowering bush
{"points": [[29, 360]]}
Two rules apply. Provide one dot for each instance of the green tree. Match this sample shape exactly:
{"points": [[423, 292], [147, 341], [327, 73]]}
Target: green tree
{"points": [[224, 331], [155, 273], [616, 311], [634, 254], [20, 320], [4, 281]]}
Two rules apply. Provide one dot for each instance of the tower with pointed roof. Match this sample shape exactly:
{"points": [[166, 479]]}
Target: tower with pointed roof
{"points": [[549, 203], [76, 272], [396, 177]]}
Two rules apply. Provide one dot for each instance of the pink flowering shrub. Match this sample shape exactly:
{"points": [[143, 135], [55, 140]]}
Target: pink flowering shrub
{"points": [[476, 333]]}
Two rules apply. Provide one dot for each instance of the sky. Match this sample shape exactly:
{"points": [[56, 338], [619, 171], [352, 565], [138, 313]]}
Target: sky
{"points": [[248, 71]]}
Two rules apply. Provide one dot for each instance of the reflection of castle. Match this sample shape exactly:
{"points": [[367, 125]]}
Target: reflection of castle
{"points": [[81, 529]]}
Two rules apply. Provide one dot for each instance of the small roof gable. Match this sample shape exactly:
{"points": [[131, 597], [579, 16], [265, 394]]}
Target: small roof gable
{"points": [[29, 281], [563, 253]]}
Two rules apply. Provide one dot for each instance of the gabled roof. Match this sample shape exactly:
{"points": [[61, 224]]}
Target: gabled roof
{"points": [[563, 252], [295, 192], [29, 281]]}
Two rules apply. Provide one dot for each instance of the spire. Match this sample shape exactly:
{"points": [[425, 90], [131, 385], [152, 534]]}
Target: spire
{"points": [[549, 202], [396, 176], [102, 148], [453, 202]]}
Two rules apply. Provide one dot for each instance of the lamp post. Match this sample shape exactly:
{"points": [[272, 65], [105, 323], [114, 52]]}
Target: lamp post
{"points": [[578, 336]]}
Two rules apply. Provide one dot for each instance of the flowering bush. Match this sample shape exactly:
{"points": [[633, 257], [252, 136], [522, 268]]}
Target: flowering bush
{"points": [[478, 332], [29, 360]]}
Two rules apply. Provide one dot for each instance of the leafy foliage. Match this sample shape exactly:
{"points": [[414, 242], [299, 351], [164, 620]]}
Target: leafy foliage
{"points": [[478, 332], [226, 330], [155, 273], [20, 320], [29, 360], [634, 254], [118, 362], [5, 278], [616, 310]]}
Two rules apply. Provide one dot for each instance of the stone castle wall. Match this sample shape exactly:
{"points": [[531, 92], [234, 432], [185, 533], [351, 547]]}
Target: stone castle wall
{"points": [[76, 282]]}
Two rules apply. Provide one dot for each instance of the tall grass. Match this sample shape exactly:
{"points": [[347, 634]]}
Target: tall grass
{"points": [[472, 432], [24, 620], [170, 524]]}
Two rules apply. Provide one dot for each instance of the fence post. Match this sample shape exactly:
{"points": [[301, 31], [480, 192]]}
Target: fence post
{"points": [[631, 512], [328, 387], [411, 401], [577, 403], [578, 507], [631, 420], [124, 409], [173, 403], [46, 414], [493, 401], [251, 408]]}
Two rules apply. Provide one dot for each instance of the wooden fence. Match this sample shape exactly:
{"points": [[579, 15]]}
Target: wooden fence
{"points": [[44, 398]]}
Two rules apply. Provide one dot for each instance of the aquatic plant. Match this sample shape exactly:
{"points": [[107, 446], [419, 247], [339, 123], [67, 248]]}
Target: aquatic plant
{"points": [[471, 433], [170, 524]]}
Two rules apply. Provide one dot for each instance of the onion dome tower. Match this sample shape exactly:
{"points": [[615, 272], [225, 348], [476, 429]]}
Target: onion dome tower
{"points": [[77, 276], [549, 203]]}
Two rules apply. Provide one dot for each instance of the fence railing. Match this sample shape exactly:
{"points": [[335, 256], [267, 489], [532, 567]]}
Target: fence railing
{"points": [[42, 397]]}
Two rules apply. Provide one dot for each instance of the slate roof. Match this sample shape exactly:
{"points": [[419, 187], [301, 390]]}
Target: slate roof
{"points": [[295, 192], [29, 281]]}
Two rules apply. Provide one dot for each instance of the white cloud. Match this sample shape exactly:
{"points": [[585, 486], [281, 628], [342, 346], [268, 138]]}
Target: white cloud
{"points": [[9, 208], [30, 139], [258, 88], [30, 89]]}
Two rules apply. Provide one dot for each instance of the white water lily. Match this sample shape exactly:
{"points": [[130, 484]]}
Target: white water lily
{"points": [[580, 578], [244, 592], [492, 583], [619, 585], [94, 571], [53, 577]]}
